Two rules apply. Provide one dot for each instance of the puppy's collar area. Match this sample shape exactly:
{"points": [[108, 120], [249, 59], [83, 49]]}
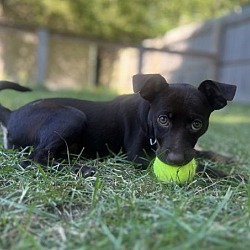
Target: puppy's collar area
{"points": [[152, 141]]}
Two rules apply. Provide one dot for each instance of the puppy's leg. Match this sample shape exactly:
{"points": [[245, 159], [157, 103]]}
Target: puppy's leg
{"points": [[60, 136], [219, 158], [50, 153], [208, 171]]}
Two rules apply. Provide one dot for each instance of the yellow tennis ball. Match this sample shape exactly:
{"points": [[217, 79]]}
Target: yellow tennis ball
{"points": [[178, 174]]}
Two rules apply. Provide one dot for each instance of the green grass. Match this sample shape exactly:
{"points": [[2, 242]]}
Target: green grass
{"points": [[124, 208], [13, 99]]}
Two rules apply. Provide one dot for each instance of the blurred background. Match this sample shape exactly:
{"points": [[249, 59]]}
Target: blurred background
{"points": [[76, 44]]}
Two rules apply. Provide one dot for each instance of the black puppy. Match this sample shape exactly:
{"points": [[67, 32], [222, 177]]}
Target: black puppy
{"points": [[160, 118]]}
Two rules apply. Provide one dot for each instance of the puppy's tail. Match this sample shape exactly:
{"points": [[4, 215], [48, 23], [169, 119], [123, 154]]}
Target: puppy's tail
{"points": [[13, 85], [5, 112]]}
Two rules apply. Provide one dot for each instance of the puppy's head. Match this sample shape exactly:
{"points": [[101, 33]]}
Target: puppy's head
{"points": [[179, 113]]}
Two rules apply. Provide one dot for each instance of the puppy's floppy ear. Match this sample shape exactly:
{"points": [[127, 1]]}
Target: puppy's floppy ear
{"points": [[217, 93], [148, 85]]}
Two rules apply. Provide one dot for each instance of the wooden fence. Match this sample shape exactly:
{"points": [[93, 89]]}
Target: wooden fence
{"points": [[217, 49], [224, 48]]}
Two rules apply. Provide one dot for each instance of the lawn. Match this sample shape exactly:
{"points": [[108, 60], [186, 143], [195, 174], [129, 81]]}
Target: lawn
{"points": [[124, 208]]}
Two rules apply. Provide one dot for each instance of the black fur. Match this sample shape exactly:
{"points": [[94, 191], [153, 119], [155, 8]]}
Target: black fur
{"points": [[172, 115]]}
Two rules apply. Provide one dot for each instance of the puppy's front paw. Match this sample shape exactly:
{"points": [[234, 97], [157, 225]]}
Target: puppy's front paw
{"points": [[84, 170], [239, 177], [25, 163]]}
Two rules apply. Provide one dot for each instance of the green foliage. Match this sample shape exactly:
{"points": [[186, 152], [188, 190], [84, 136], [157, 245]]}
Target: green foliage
{"points": [[120, 20]]}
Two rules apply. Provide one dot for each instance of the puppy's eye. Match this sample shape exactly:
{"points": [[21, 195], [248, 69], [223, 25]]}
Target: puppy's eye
{"points": [[196, 125], [163, 120]]}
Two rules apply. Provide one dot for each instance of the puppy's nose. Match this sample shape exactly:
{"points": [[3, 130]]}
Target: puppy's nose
{"points": [[175, 159]]}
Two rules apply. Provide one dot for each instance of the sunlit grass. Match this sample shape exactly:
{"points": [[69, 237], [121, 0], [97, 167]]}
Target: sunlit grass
{"points": [[233, 119], [232, 113], [14, 99]]}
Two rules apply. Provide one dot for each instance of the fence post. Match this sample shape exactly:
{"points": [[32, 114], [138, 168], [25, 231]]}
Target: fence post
{"points": [[140, 60], [42, 55], [216, 33], [92, 64]]}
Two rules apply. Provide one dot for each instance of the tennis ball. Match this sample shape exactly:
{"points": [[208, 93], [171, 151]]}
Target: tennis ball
{"points": [[178, 174]]}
